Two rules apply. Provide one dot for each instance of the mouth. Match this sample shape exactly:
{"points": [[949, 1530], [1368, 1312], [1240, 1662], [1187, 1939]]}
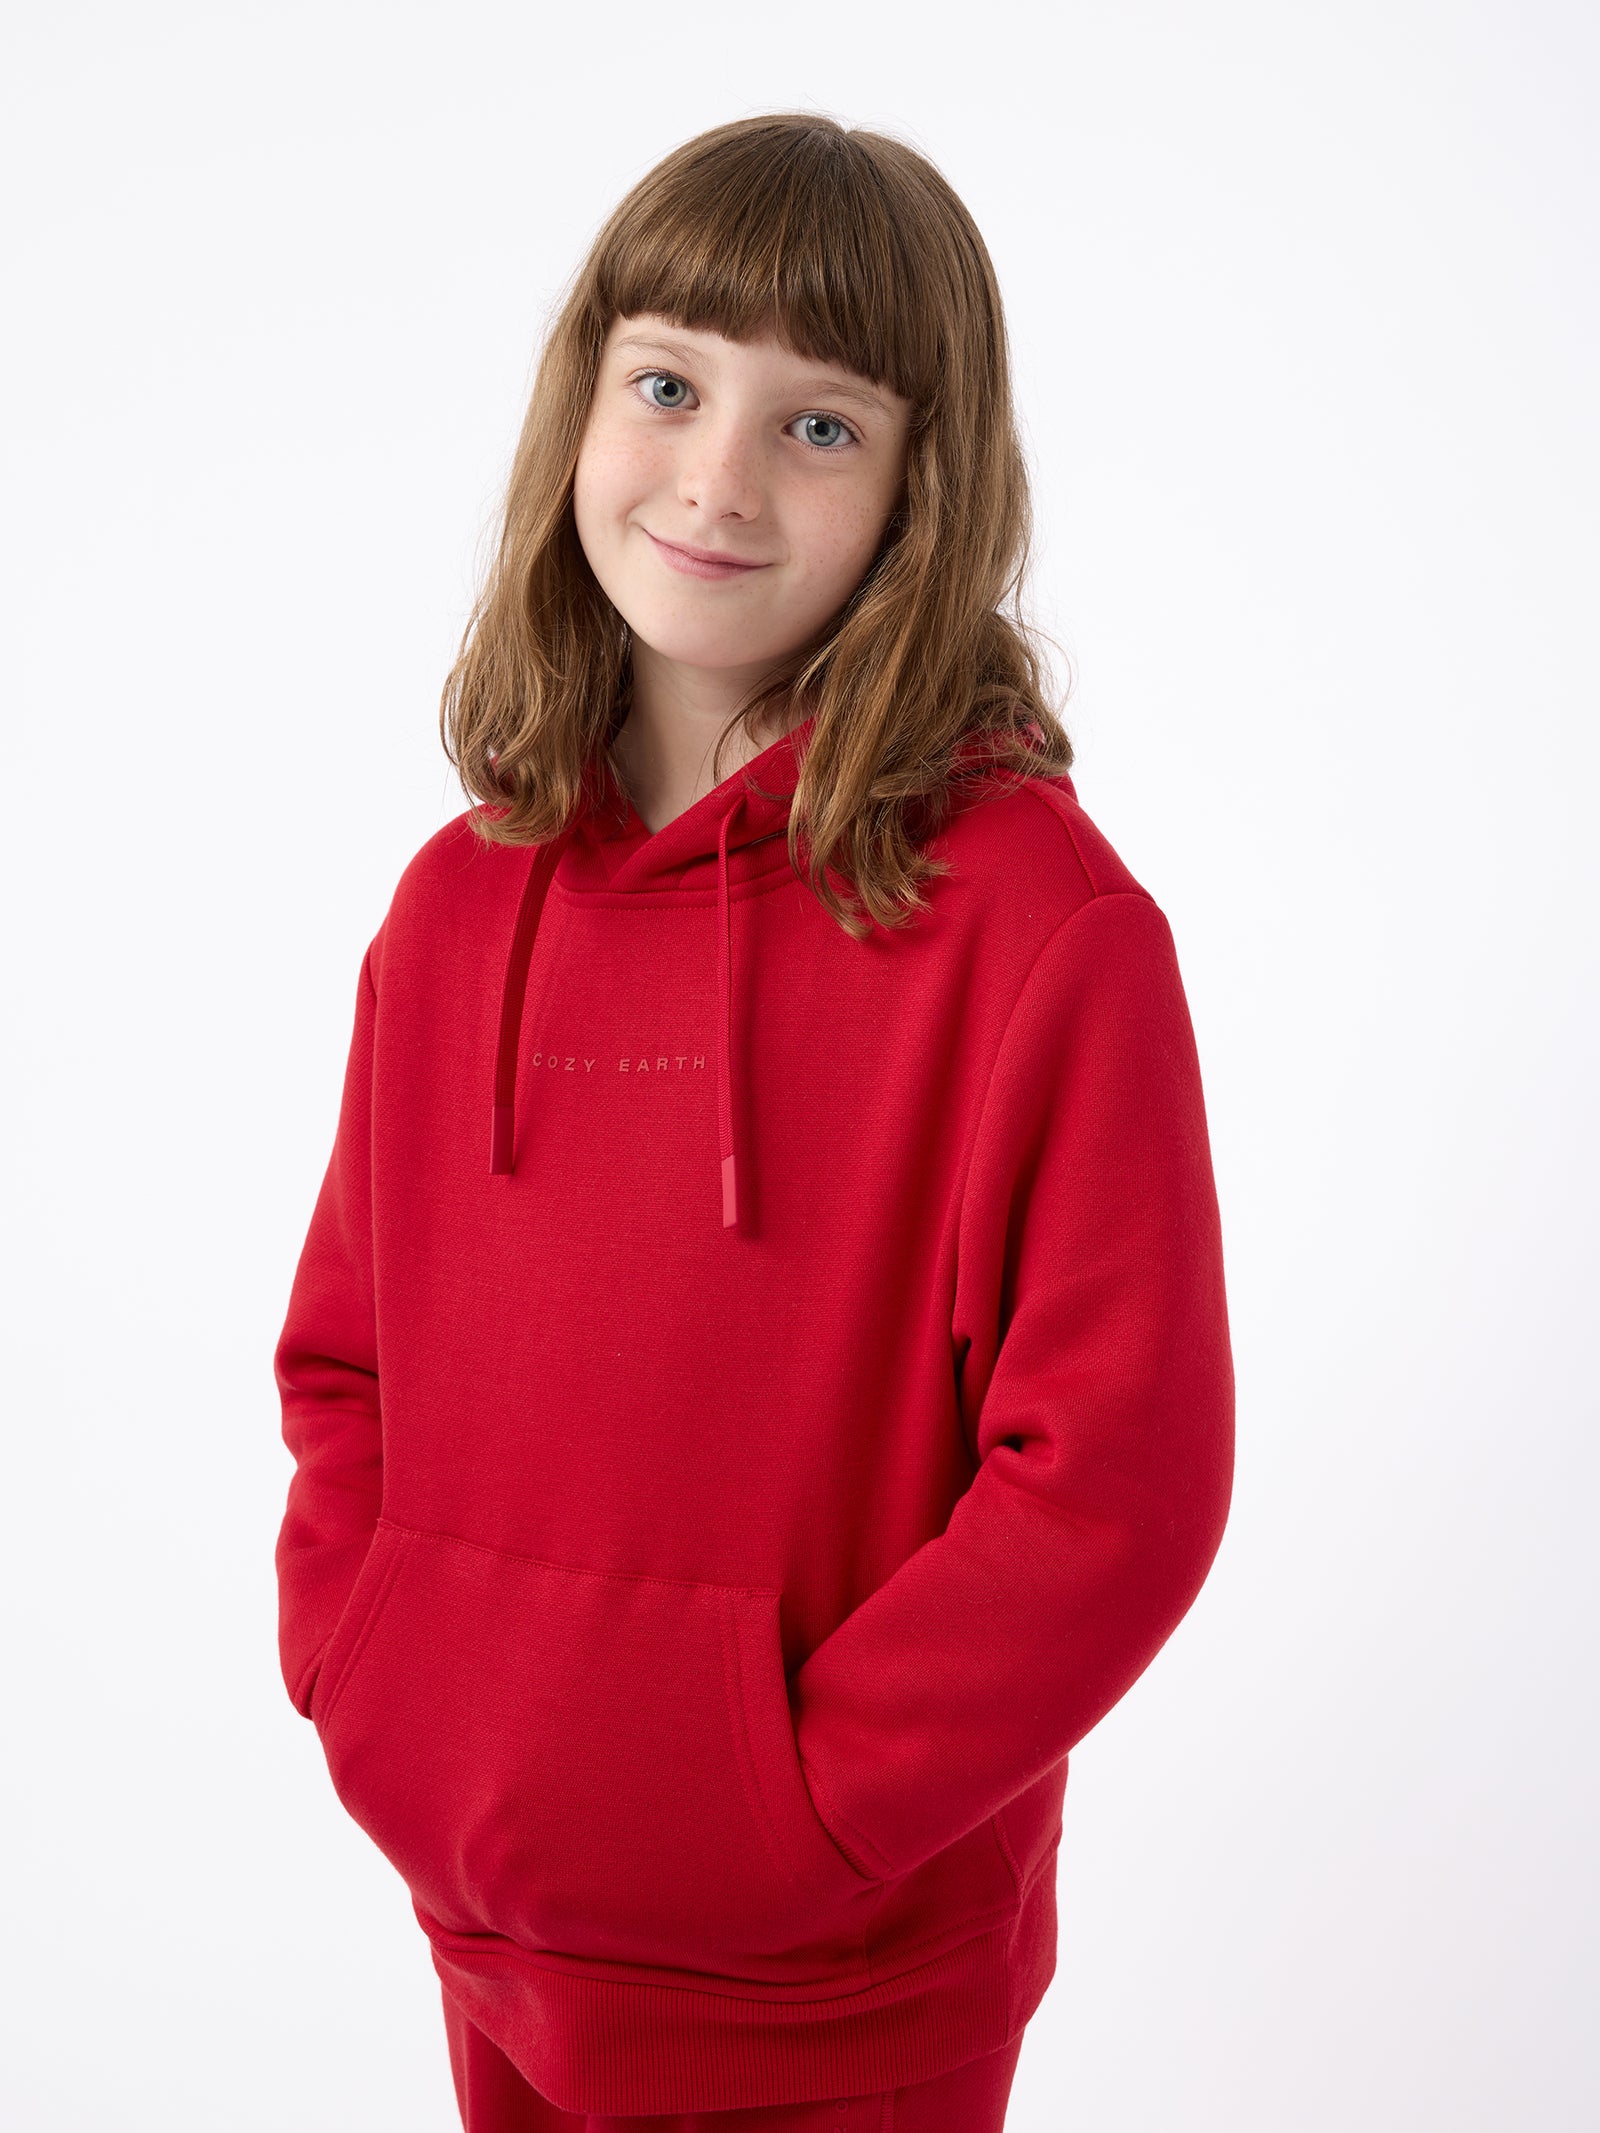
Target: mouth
{"points": [[701, 562]]}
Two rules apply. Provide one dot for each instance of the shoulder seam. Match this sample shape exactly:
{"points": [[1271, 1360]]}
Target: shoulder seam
{"points": [[1102, 897]]}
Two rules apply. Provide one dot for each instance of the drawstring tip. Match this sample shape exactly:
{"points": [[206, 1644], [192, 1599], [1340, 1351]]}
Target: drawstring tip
{"points": [[730, 1195], [500, 1141]]}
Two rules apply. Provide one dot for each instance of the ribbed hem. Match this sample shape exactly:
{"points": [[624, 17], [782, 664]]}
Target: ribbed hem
{"points": [[588, 2042]]}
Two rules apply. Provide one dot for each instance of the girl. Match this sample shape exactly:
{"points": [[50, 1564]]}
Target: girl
{"points": [[758, 1374]]}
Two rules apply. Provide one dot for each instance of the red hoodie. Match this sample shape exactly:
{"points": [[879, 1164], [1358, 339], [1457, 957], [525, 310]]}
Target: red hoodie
{"points": [[757, 1399]]}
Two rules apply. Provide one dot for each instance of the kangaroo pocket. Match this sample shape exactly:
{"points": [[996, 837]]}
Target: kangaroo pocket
{"points": [[584, 1762]]}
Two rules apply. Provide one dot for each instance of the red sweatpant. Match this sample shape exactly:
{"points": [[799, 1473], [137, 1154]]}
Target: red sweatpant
{"points": [[495, 2098]]}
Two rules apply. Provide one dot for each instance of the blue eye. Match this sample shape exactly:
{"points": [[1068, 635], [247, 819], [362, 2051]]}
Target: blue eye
{"points": [[828, 422], [669, 392]]}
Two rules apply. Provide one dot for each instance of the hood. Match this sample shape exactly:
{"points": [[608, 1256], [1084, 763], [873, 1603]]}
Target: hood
{"points": [[739, 829]]}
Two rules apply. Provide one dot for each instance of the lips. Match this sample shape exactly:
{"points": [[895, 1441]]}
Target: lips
{"points": [[701, 562]]}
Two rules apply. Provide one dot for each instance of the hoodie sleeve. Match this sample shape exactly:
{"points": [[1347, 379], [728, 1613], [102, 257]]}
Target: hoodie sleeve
{"points": [[1095, 1370], [326, 1366]]}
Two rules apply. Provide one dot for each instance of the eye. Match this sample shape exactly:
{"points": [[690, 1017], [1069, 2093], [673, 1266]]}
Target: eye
{"points": [[666, 390], [671, 385], [845, 435]]}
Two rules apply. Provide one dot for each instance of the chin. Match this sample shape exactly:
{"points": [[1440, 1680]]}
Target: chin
{"points": [[691, 648]]}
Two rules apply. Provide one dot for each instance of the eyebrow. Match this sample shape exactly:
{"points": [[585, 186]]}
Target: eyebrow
{"points": [[837, 388]]}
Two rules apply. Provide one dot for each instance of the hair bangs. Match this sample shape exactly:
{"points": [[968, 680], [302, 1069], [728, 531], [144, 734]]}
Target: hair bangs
{"points": [[790, 236]]}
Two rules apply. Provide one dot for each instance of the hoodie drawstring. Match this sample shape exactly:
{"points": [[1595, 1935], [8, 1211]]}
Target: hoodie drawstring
{"points": [[546, 858], [730, 1186]]}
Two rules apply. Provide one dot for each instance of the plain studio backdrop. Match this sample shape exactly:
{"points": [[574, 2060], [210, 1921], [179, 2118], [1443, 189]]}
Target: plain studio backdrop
{"points": [[1304, 311]]}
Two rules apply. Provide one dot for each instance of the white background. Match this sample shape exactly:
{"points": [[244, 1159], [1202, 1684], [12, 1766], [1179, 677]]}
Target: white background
{"points": [[1304, 309]]}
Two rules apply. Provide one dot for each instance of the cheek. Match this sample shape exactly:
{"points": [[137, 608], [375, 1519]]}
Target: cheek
{"points": [[614, 473], [842, 537], [593, 483]]}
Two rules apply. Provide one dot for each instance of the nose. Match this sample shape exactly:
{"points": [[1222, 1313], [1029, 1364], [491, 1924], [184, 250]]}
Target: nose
{"points": [[719, 471]]}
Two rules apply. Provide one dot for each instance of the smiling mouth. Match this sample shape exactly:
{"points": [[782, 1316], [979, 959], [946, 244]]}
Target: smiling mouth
{"points": [[700, 562]]}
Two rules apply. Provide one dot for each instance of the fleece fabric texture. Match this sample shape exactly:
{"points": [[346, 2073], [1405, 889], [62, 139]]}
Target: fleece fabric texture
{"points": [[757, 1399], [493, 2097]]}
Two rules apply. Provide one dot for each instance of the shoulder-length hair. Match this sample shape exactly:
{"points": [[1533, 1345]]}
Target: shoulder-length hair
{"points": [[847, 247]]}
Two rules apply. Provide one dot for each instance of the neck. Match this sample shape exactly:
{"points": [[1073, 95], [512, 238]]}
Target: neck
{"points": [[663, 751]]}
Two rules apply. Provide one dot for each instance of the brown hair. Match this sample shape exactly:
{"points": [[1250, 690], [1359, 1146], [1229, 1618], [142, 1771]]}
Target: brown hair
{"points": [[848, 247]]}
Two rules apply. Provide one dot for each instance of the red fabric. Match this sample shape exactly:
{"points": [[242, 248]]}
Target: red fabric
{"points": [[726, 1490], [494, 2098]]}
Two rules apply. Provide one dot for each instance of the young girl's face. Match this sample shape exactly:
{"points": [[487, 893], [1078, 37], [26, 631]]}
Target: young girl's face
{"points": [[745, 451]]}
